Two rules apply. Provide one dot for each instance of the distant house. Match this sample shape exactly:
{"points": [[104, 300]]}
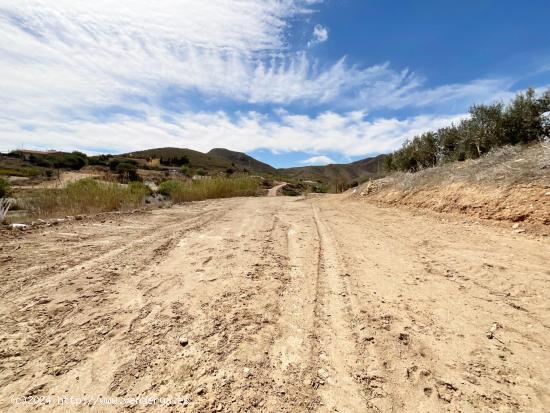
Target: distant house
{"points": [[153, 161], [27, 154], [200, 177]]}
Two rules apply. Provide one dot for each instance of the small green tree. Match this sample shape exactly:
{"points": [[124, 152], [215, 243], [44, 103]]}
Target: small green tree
{"points": [[127, 172], [522, 119], [449, 139], [185, 170], [486, 127]]}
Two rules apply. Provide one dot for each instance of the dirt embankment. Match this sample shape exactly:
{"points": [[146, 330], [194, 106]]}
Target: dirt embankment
{"points": [[510, 185], [274, 304]]}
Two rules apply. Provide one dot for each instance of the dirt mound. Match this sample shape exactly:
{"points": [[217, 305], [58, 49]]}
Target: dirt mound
{"points": [[511, 184]]}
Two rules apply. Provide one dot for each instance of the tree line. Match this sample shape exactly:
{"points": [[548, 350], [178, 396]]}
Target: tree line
{"points": [[525, 119]]}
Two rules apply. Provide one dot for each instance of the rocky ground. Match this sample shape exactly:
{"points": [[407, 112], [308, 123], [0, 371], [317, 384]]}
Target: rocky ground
{"points": [[274, 304]]}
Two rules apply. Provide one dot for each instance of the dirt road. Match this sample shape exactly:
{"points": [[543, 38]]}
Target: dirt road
{"points": [[275, 304], [273, 191]]}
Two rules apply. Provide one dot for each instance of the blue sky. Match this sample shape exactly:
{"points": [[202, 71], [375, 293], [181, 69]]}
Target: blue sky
{"points": [[292, 82]]}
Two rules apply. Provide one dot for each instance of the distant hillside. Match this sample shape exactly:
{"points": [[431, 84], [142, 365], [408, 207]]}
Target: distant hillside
{"points": [[340, 173], [220, 160], [242, 160], [196, 159]]}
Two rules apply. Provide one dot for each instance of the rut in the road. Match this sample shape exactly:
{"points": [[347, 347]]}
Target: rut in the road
{"points": [[288, 305], [337, 362]]}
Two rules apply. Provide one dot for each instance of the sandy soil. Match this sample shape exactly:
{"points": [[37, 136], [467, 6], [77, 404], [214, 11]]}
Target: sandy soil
{"points": [[275, 304]]}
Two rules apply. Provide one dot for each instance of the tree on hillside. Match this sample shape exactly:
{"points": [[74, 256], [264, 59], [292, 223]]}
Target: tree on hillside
{"points": [[524, 120], [449, 142], [485, 127]]}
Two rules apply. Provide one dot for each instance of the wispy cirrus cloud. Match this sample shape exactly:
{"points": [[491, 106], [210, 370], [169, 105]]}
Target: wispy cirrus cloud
{"points": [[77, 54], [77, 75]]}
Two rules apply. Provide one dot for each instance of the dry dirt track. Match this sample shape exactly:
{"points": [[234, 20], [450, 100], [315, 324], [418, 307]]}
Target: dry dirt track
{"points": [[288, 305]]}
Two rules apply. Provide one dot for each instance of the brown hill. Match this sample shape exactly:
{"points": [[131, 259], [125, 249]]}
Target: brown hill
{"points": [[242, 161], [338, 173]]}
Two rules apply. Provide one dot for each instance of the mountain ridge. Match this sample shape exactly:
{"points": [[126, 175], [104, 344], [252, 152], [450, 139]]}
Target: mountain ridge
{"points": [[222, 159]]}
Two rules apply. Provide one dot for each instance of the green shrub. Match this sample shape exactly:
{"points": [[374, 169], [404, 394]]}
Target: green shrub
{"points": [[75, 160], [127, 172], [113, 163], [185, 170], [4, 187], [174, 160], [182, 191], [102, 160], [41, 161]]}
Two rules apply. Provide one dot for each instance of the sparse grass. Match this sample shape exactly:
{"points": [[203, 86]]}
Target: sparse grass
{"points": [[26, 171], [84, 197], [182, 191]]}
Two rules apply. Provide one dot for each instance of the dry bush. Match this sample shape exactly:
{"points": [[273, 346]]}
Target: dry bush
{"points": [[5, 205], [183, 191], [86, 196]]}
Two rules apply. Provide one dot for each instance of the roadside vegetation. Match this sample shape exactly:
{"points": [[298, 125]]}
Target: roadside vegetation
{"points": [[89, 196], [4, 187], [525, 119], [84, 197], [218, 187]]}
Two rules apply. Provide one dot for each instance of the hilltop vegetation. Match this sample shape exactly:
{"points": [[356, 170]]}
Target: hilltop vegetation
{"points": [[182, 156], [243, 161], [525, 119]]}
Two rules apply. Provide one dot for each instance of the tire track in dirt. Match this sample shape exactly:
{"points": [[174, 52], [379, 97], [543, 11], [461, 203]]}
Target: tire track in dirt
{"points": [[338, 361], [285, 305], [222, 294], [291, 352], [411, 333], [72, 260], [40, 325]]}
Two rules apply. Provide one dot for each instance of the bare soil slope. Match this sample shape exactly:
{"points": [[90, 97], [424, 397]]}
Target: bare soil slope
{"points": [[512, 184], [276, 304]]}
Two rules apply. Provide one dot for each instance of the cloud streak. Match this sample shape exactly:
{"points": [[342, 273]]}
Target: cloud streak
{"points": [[84, 75], [349, 134]]}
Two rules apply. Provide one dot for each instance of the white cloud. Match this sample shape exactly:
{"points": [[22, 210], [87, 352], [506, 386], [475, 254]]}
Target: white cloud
{"points": [[66, 55], [64, 64], [349, 134], [320, 35], [317, 160]]}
